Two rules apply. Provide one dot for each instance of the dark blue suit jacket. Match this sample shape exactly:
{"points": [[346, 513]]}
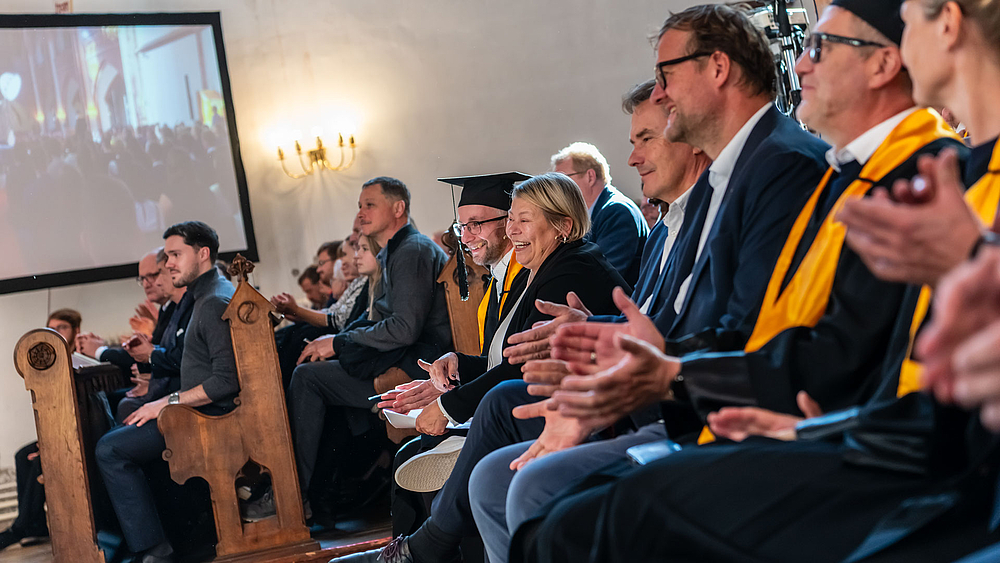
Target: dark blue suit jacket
{"points": [[619, 229], [774, 175]]}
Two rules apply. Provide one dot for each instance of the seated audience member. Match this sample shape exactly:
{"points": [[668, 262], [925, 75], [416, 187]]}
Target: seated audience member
{"points": [[616, 224], [482, 214], [208, 383], [336, 314], [164, 345], [825, 322], [318, 294], [160, 360], [546, 225], [408, 320], [67, 323], [933, 500], [30, 526]]}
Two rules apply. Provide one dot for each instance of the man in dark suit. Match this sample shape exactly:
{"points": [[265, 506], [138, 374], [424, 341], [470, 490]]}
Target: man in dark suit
{"points": [[616, 224], [151, 277], [803, 501]]}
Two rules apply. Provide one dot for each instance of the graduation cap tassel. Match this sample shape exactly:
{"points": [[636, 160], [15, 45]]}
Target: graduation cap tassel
{"points": [[463, 274]]}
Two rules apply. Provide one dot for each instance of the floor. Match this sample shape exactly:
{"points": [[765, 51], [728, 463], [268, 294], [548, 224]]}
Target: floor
{"points": [[346, 533]]}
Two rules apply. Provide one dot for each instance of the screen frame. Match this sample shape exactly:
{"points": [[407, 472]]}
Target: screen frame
{"points": [[131, 269]]}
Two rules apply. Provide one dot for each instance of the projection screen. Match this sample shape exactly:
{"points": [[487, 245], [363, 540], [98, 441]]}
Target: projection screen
{"points": [[112, 128]]}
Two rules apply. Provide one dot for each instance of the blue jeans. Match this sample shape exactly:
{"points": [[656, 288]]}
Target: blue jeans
{"points": [[120, 454], [502, 500]]}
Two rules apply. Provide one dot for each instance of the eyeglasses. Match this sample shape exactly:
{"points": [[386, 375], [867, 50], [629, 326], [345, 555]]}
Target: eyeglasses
{"points": [[476, 227], [150, 278], [813, 45], [321, 262], [661, 79]]}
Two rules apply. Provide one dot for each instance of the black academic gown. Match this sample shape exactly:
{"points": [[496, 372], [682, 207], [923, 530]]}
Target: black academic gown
{"points": [[896, 480], [575, 266], [837, 361]]}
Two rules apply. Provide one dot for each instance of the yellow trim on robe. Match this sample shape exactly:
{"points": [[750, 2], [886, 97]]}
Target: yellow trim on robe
{"points": [[804, 300], [513, 268], [984, 199]]}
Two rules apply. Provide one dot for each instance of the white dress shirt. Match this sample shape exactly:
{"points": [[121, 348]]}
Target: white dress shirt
{"points": [[719, 174], [862, 148]]}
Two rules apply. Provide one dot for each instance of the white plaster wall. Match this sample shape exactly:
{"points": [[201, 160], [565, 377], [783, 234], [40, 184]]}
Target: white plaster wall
{"points": [[435, 88]]}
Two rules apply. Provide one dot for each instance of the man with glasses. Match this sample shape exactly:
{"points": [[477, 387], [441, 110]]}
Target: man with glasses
{"points": [[616, 223], [422, 464], [164, 347], [833, 343]]}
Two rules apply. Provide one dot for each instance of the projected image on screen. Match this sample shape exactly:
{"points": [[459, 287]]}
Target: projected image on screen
{"points": [[108, 135]]}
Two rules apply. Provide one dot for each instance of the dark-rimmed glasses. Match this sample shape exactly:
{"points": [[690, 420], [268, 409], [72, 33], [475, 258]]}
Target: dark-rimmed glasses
{"points": [[813, 45], [661, 79], [151, 278], [475, 227]]}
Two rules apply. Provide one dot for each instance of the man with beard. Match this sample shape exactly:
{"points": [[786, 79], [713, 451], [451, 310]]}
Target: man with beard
{"points": [[208, 383]]}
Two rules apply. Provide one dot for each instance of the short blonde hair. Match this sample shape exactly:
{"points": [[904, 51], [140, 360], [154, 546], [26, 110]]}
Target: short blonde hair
{"points": [[584, 156], [559, 198]]}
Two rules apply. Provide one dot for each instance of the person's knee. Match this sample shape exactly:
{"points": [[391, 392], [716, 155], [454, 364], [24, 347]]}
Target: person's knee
{"points": [[303, 379], [499, 401], [106, 451]]}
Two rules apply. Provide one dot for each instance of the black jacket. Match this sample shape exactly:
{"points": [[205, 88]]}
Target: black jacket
{"points": [[576, 266]]}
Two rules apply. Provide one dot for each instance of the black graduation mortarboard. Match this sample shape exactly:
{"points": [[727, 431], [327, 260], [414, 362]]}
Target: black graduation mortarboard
{"points": [[491, 190], [883, 15]]}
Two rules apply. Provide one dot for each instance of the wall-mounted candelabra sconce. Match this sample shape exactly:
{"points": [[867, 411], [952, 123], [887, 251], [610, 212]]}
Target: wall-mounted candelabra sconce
{"points": [[315, 159]]}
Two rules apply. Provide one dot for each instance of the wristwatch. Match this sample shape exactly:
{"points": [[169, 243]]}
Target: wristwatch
{"points": [[175, 398]]}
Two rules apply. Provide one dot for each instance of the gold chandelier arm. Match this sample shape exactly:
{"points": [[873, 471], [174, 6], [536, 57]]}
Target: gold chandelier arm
{"points": [[291, 175], [340, 165], [351, 162]]}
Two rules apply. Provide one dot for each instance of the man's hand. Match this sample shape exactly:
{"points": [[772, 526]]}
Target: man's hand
{"points": [[147, 412], [533, 344], [141, 381], [642, 377], [87, 343], [545, 376], [142, 324], [431, 421], [443, 372], [960, 347], [285, 304], [414, 395], [560, 432], [140, 347], [319, 349], [739, 423], [594, 343], [148, 310], [914, 243]]}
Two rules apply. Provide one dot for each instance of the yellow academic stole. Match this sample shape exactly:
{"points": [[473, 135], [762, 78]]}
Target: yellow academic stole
{"points": [[512, 270], [984, 198], [805, 298]]}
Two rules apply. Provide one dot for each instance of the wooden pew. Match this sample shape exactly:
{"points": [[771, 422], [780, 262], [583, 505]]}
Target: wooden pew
{"points": [[42, 358], [216, 448]]}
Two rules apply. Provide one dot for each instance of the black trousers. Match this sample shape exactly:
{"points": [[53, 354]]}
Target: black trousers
{"points": [[30, 519], [493, 426], [764, 501]]}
